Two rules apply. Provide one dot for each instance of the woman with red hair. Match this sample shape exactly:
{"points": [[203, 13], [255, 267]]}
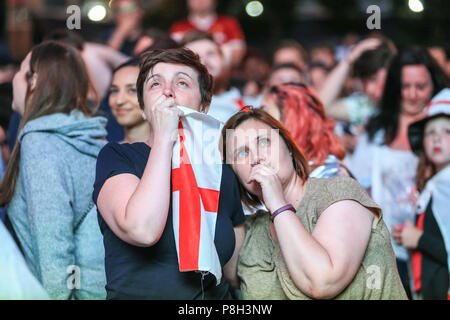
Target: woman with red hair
{"points": [[300, 110]]}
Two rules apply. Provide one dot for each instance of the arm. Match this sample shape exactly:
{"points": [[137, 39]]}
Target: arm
{"points": [[110, 56], [230, 269], [127, 26], [136, 209], [49, 212], [336, 79], [323, 263], [413, 238]]}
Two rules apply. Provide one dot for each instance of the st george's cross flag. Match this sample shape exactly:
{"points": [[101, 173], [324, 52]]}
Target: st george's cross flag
{"points": [[196, 178]]}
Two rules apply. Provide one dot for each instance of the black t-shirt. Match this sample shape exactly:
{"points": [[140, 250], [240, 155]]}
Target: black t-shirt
{"points": [[152, 272]]}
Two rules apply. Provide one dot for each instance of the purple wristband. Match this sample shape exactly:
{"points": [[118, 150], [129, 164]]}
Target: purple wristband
{"points": [[280, 210]]}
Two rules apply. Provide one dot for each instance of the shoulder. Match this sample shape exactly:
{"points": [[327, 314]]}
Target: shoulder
{"points": [[114, 150], [328, 191], [34, 145]]}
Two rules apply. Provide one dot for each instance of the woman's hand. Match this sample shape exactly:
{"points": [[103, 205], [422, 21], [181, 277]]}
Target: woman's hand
{"points": [[163, 117], [271, 188], [407, 235]]}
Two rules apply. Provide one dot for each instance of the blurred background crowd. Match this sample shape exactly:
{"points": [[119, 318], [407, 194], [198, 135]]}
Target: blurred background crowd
{"points": [[371, 83]]}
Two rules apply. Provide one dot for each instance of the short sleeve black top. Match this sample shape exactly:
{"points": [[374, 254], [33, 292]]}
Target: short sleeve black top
{"points": [[152, 272]]}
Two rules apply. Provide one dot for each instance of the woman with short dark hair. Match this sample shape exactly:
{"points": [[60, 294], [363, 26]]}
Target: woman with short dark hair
{"points": [[170, 225]]}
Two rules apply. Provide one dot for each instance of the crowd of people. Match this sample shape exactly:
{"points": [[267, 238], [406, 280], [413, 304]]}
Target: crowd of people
{"points": [[183, 164]]}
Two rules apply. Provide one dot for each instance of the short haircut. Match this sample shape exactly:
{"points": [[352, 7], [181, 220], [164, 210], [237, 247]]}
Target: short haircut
{"points": [[181, 56]]}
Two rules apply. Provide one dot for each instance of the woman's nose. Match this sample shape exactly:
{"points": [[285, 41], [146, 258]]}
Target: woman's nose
{"points": [[168, 92]]}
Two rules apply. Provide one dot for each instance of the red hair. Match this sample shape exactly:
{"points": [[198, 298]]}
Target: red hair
{"points": [[303, 114]]}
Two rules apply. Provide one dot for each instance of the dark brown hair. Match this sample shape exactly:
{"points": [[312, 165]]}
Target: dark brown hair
{"points": [[298, 159], [62, 86], [425, 171], [176, 56]]}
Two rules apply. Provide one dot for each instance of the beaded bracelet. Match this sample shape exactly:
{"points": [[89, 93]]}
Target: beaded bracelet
{"points": [[280, 210]]}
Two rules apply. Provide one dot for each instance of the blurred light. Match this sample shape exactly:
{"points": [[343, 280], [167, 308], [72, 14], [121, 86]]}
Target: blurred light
{"points": [[97, 13], [415, 5], [254, 8]]}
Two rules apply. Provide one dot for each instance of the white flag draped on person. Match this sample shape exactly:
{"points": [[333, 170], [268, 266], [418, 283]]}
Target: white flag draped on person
{"points": [[196, 179]]}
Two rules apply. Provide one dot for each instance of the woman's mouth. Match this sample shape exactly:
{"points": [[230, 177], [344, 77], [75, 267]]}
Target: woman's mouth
{"points": [[437, 150]]}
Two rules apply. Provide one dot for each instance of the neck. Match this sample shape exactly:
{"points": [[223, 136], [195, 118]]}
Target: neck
{"points": [[293, 190], [137, 133]]}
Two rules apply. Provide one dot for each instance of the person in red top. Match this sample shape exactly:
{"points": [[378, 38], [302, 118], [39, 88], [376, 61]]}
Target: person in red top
{"points": [[225, 30]]}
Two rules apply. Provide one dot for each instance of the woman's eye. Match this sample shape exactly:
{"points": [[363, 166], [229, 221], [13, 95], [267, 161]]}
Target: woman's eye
{"points": [[154, 85], [113, 91], [263, 142], [182, 83], [132, 91], [242, 154]]}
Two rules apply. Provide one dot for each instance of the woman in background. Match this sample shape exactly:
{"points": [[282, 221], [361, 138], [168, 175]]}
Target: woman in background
{"points": [[124, 102], [383, 161], [48, 182]]}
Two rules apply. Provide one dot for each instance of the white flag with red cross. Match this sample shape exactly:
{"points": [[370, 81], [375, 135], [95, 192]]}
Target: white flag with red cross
{"points": [[196, 178]]}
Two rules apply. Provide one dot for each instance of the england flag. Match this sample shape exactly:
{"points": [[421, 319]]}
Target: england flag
{"points": [[196, 178]]}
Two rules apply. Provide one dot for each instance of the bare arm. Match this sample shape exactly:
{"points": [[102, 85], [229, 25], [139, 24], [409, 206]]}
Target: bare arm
{"points": [[136, 209], [230, 269], [336, 79], [323, 263]]}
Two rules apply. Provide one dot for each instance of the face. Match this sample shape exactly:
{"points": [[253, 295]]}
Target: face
{"points": [[173, 80], [20, 86], [289, 55], [269, 105], [317, 77], [323, 55], [437, 141], [210, 56], [283, 76], [201, 6], [373, 86], [417, 89], [126, 10], [123, 97], [254, 142]]}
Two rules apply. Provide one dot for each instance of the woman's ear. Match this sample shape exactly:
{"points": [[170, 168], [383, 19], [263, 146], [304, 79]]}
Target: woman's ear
{"points": [[33, 81]]}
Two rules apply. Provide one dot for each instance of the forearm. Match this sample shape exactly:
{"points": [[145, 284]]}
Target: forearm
{"points": [[117, 39], [334, 83], [146, 211], [308, 263]]}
